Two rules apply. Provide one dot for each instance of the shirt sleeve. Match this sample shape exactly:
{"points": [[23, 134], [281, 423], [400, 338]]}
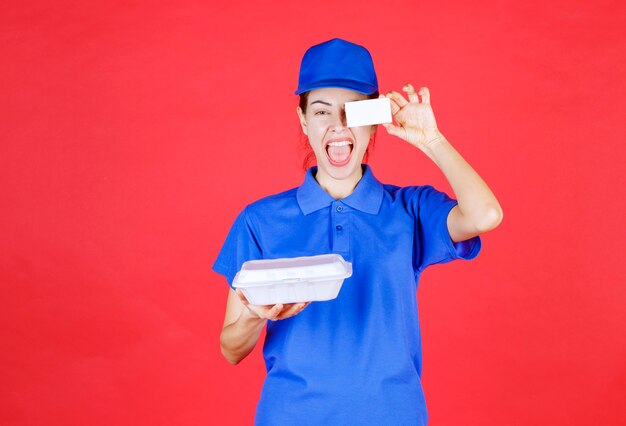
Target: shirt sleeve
{"points": [[432, 241], [240, 246]]}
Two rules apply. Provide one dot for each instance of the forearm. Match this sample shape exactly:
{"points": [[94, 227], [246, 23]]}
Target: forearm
{"points": [[476, 201], [239, 338]]}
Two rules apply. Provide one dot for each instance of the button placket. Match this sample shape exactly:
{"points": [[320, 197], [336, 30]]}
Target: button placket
{"points": [[341, 240]]}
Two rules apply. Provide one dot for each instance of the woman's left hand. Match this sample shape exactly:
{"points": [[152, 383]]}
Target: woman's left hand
{"points": [[415, 120]]}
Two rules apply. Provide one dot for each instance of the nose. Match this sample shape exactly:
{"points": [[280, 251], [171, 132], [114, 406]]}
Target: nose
{"points": [[340, 124]]}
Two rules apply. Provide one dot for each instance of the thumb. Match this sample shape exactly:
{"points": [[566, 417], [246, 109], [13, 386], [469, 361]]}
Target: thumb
{"points": [[243, 298]]}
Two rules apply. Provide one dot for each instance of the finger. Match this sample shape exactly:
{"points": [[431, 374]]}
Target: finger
{"points": [[294, 309], [395, 130], [394, 107], [397, 98], [410, 90], [425, 94], [274, 312]]}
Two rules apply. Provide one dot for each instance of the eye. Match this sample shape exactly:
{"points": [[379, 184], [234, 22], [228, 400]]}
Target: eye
{"points": [[321, 112]]}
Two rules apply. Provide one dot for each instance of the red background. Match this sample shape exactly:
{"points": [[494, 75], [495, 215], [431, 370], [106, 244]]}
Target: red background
{"points": [[134, 132]]}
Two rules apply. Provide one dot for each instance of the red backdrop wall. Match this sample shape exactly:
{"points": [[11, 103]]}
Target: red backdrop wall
{"points": [[133, 133]]}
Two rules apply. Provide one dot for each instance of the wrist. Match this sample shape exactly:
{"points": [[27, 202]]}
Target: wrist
{"points": [[250, 316], [433, 144]]}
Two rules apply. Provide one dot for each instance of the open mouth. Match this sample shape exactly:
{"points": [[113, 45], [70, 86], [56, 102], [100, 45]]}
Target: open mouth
{"points": [[339, 151]]}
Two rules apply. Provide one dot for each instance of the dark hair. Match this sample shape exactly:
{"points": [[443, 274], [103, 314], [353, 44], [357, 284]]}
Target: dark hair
{"points": [[309, 155]]}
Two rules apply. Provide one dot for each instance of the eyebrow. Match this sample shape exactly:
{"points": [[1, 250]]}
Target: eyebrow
{"points": [[321, 102], [329, 104]]}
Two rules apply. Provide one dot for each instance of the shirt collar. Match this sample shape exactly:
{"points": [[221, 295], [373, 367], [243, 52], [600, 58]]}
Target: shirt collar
{"points": [[366, 197]]}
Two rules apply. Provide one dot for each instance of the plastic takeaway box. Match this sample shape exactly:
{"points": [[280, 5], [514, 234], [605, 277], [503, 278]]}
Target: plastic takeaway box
{"points": [[292, 280]]}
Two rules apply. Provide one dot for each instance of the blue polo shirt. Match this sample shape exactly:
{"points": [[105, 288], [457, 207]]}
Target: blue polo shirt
{"points": [[357, 359]]}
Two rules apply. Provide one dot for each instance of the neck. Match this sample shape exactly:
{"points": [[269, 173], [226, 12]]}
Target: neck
{"points": [[339, 188]]}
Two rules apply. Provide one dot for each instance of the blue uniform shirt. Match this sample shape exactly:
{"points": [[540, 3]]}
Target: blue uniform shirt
{"points": [[357, 359]]}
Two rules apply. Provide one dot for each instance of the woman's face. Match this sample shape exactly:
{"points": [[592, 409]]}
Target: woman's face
{"points": [[338, 149]]}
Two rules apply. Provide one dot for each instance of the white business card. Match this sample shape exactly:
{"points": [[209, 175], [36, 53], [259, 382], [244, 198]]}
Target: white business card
{"points": [[370, 111]]}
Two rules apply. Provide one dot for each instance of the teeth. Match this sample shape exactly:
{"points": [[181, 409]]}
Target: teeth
{"points": [[342, 143]]}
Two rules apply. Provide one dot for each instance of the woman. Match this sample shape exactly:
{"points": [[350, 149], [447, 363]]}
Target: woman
{"points": [[354, 360]]}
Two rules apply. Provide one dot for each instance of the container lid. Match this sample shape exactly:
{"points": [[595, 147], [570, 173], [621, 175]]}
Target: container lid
{"points": [[288, 270]]}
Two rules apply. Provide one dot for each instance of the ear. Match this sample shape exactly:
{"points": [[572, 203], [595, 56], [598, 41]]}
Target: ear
{"points": [[302, 120]]}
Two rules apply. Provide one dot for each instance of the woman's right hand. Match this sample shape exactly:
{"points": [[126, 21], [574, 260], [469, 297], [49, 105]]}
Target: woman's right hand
{"points": [[275, 312]]}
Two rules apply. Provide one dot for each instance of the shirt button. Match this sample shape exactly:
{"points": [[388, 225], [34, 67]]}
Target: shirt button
{"points": [[338, 227], [339, 208]]}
